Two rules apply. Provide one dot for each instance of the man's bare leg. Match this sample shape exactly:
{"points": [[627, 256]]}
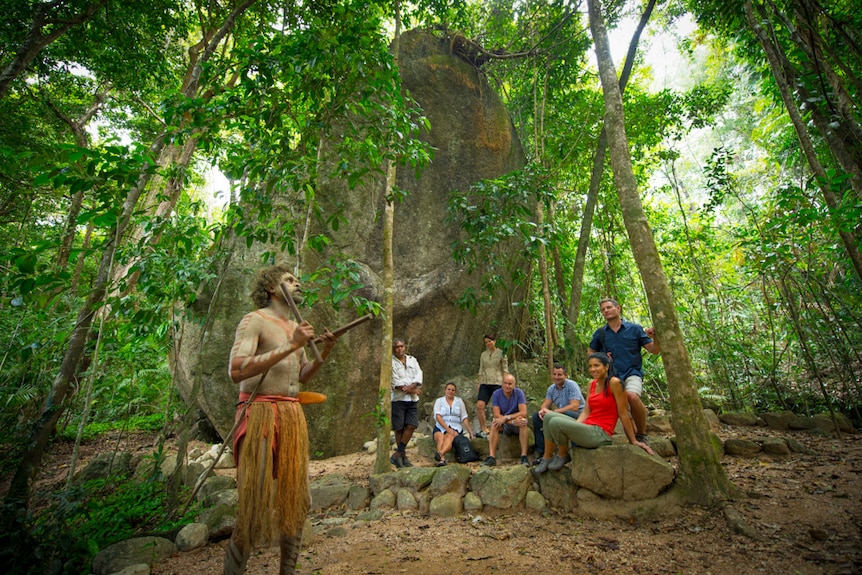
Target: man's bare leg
{"points": [[524, 437], [235, 559], [639, 411], [290, 547]]}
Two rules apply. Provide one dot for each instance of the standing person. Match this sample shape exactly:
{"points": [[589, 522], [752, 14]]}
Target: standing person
{"points": [[606, 401], [450, 416], [406, 387], [492, 365], [510, 417], [563, 396], [268, 362], [622, 341]]}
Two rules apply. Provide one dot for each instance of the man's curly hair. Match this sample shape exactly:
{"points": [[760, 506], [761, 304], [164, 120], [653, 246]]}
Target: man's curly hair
{"points": [[267, 279]]}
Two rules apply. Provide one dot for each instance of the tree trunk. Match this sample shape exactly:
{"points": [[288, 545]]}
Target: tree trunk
{"points": [[384, 400], [550, 335], [593, 193], [702, 475], [36, 40]]}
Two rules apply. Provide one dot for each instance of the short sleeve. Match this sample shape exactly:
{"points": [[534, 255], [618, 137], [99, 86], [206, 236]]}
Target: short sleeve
{"points": [[596, 342]]}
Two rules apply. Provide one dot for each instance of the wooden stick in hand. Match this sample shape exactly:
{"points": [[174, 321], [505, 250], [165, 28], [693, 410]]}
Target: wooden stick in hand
{"points": [[345, 328], [289, 299]]}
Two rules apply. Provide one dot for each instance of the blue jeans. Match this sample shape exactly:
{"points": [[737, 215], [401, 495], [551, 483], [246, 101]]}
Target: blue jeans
{"points": [[539, 433]]}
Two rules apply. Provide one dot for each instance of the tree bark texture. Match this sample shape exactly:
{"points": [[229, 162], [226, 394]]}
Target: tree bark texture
{"points": [[700, 465]]}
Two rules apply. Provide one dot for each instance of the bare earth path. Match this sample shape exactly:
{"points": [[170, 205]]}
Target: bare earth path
{"points": [[806, 510]]}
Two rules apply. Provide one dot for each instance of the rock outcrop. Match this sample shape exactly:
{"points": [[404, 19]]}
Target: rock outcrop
{"points": [[473, 139]]}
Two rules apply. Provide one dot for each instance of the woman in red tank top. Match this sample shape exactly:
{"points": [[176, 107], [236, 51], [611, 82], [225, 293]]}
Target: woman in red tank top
{"points": [[594, 428]]}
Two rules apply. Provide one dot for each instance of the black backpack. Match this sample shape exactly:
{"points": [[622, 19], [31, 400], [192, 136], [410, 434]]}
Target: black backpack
{"points": [[464, 452]]}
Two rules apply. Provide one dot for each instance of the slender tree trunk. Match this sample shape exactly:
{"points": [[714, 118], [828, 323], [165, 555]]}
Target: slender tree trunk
{"points": [[36, 40], [550, 335], [700, 463], [559, 275], [384, 400], [78, 128], [593, 193], [714, 343], [823, 181], [82, 256]]}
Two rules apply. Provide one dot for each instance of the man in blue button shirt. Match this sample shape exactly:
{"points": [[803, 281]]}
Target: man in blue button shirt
{"points": [[563, 396], [622, 340]]}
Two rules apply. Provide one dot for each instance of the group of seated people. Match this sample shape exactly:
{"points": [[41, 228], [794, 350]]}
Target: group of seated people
{"points": [[564, 417]]}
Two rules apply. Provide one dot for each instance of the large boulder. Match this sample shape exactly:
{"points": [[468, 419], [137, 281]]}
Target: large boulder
{"points": [[329, 491], [501, 488], [621, 472], [139, 550], [473, 139]]}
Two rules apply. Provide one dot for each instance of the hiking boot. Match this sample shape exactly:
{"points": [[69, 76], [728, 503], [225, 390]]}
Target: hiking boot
{"points": [[490, 461], [643, 438], [481, 435], [538, 459], [524, 461], [396, 460], [441, 463], [437, 456], [404, 461], [541, 467], [558, 462]]}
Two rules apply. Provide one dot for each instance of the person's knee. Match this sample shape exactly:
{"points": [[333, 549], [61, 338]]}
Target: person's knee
{"points": [[634, 398]]}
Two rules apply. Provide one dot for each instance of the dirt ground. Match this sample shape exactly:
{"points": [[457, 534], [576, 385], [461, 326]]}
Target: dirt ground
{"points": [[804, 508]]}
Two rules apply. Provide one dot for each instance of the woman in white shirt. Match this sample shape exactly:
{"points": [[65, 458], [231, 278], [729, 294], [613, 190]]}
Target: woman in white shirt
{"points": [[450, 415]]}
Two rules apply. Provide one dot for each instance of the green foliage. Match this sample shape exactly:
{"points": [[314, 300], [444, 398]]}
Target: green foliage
{"points": [[497, 218], [79, 522], [378, 414], [147, 423]]}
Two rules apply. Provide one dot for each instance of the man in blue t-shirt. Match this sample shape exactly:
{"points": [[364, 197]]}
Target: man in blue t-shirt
{"points": [[563, 396], [510, 417], [622, 340]]}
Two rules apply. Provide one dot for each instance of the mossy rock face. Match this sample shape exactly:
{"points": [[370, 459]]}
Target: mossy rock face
{"points": [[473, 139]]}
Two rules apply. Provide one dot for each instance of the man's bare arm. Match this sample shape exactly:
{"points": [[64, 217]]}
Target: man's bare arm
{"points": [[652, 347]]}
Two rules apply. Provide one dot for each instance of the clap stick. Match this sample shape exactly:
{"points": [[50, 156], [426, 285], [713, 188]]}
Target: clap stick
{"points": [[343, 329], [289, 299]]}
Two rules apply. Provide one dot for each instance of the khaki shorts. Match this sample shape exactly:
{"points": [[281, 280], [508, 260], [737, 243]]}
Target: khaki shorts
{"points": [[635, 384]]}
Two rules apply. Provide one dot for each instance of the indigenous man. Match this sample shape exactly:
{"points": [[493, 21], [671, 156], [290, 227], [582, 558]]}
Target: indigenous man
{"points": [[622, 340], [271, 442], [406, 387]]}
